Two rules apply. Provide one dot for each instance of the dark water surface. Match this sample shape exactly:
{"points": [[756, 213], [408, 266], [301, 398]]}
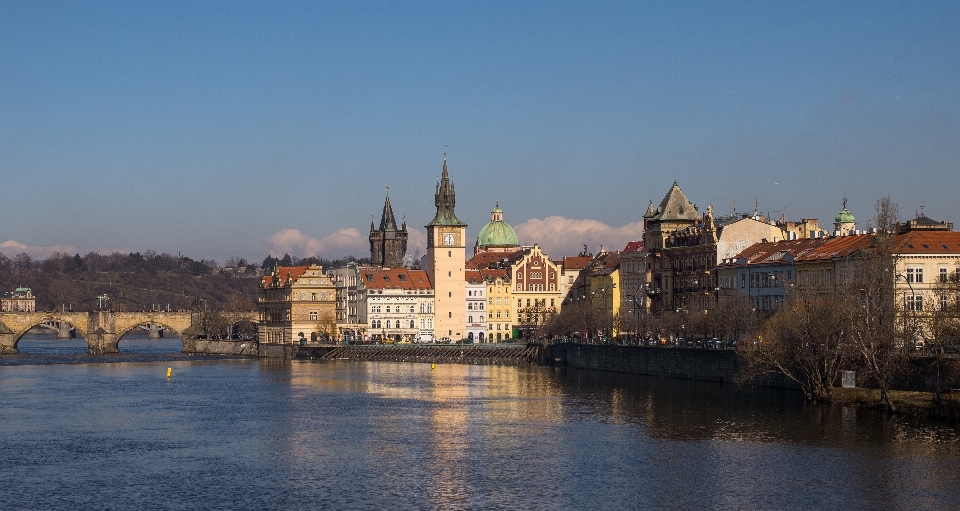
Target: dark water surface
{"points": [[86, 432]]}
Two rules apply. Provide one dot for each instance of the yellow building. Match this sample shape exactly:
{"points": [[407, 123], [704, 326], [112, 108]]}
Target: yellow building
{"points": [[605, 291], [297, 303], [499, 296]]}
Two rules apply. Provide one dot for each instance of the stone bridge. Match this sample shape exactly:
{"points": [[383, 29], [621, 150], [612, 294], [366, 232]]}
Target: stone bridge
{"points": [[103, 329]]}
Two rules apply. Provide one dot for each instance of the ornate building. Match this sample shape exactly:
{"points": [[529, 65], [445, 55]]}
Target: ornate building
{"points": [[497, 235], [297, 303], [388, 244], [444, 262], [21, 300]]}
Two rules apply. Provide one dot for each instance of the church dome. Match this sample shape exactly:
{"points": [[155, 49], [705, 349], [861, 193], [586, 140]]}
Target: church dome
{"points": [[497, 233], [845, 216]]}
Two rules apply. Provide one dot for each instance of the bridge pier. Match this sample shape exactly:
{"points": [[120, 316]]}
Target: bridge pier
{"points": [[8, 344], [155, 331], [63, 330]]}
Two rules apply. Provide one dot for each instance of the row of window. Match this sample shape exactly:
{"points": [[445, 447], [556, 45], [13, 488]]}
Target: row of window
{"points": [[376, 323], [408, 309]]}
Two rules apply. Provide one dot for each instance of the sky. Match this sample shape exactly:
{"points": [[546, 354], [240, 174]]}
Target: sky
{"points": [[241, 129]]}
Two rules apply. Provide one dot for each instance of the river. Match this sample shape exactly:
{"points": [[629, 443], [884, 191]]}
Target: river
{"points": [[112, 432]]}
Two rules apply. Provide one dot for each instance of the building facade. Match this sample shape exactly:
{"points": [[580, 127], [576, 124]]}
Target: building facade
{"points": [[396, 305], [19, 300], [297, 303]]}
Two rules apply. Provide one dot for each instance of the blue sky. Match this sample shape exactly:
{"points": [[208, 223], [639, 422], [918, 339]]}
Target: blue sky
{"points": [[239, 128]]}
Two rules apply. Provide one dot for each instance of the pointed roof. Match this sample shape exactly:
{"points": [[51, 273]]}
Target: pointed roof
{"points": [[675, 206], [650, 211], [445, 200], [387, 221]]}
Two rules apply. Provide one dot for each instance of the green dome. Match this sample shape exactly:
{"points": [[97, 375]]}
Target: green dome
{"points": [[497, 233], [845, 217]]}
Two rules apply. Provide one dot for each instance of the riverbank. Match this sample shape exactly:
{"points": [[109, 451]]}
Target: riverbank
{"points": [[920, 404]]}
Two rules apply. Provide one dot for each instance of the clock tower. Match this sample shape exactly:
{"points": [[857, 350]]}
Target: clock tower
{"points": [[444, 262]]}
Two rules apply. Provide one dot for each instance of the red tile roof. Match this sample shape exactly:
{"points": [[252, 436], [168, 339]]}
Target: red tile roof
{"points": [[576, 262], [482, 275], [839, 246], [293, 272], [928, 242], [486, 259], [394, 278], [633, 246]]}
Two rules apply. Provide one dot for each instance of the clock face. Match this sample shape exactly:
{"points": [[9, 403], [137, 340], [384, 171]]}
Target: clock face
{"points": [[448, 239]]}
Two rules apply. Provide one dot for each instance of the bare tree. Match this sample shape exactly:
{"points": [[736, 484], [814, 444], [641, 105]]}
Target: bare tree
{"points": [[734, 317], [945, 333], [326, 327], [805, 340], [872, 304]]}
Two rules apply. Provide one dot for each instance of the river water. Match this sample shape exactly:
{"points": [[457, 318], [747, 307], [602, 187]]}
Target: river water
{"points": [[112, 432]]}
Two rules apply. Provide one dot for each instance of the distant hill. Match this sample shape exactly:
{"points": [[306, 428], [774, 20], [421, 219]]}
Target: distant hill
{"points": [[138, 281]]}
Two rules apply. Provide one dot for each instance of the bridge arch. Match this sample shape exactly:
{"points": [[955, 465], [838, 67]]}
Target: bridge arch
{"points": [[129, 328], [26, 321]]}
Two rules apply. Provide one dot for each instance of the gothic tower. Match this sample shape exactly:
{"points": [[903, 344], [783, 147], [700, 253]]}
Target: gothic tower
{"points": [[388, 244], [444, 262]]}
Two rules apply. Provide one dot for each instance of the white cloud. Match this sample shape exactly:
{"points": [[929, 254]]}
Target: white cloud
{"points": [[559, 236], [11, 248], [343, 242]]}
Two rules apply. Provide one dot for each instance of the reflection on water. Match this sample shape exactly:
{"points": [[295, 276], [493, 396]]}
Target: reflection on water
{"points": [[46, 348], [273, 434]]}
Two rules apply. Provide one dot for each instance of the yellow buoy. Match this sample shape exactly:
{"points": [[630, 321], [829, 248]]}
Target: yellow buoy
{"points": [[433, 366], [169, 372]]}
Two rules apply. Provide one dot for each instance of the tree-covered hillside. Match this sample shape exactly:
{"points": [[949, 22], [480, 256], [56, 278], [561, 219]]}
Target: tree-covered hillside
{"points": [[138, 281]]}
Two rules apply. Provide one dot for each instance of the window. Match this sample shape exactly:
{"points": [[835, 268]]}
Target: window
{"points": [[449, 314], [498, 314], [943, 274], [388, 309], [915, 274], [944, 302], [412, 324], [915, 302], [375, 309], [313, 316], [313, 296]]}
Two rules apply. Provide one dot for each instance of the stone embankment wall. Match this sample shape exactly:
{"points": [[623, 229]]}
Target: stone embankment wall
{"points": [[688, 363], [208, 347]]}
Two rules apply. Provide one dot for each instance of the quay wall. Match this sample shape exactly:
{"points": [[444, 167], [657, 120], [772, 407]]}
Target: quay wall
{"points": [[210, 347], [689, 363]]}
